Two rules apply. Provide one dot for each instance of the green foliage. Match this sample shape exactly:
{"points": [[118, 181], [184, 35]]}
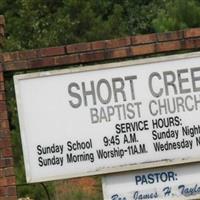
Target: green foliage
{"points": [[41, 23], [139, 15], [35, 191], [178, 14], [78, 192]]}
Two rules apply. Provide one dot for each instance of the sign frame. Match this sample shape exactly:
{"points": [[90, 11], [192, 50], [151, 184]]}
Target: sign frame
{"points": [[113, 65]]}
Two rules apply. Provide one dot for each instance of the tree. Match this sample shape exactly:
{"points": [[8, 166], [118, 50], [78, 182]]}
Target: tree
{"points": [[41, 23], [38, 23], [178, 14], [139, 15]]}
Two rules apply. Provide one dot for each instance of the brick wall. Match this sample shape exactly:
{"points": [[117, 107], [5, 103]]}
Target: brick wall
{"points": [[106, 50], [7, 176], [2, 25]]}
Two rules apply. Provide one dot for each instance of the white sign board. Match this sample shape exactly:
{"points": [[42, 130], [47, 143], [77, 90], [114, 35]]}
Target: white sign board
{"points": [[110, 118], [169, 183]]}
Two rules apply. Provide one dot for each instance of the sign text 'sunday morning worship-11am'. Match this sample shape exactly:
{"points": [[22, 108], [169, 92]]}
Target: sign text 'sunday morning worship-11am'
{"points": [[109, 118]]}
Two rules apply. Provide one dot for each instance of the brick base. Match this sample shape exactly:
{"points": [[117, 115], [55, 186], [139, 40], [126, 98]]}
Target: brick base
{"points": [[7, 175]]}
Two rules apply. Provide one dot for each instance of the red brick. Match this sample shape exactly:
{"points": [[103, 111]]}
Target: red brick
{"points": [[116, 43], [18, 65], [4, 124], [188, 44], [2, 20], [49, 61], [43, 62], [143, 39], [19, 55], [8, 57], [2, 163], [7, 181], [2, 86], [11, 180], [36, 63], [24, 55], [4, 134], [197, 42], [143, 49], [7, 152], [118, 53], [54, 61], [2, 106], [9, 162], [1, 77], [3, 115], [176, 35], [98, 45], [3, 182], [168, 46], [3, 191], [193, 32], [91, 57], [5, 143], [66, 60], [52, 51], [11, 191], [76, 48], [9, 171], [2, 97]]}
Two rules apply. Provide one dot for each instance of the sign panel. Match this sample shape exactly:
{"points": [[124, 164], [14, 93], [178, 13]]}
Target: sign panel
{"points": [[110, 118], [169, 183]]}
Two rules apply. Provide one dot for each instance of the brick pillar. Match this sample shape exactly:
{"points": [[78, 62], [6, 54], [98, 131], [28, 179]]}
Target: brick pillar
{"points": [[7, 175], [2, 26]]}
